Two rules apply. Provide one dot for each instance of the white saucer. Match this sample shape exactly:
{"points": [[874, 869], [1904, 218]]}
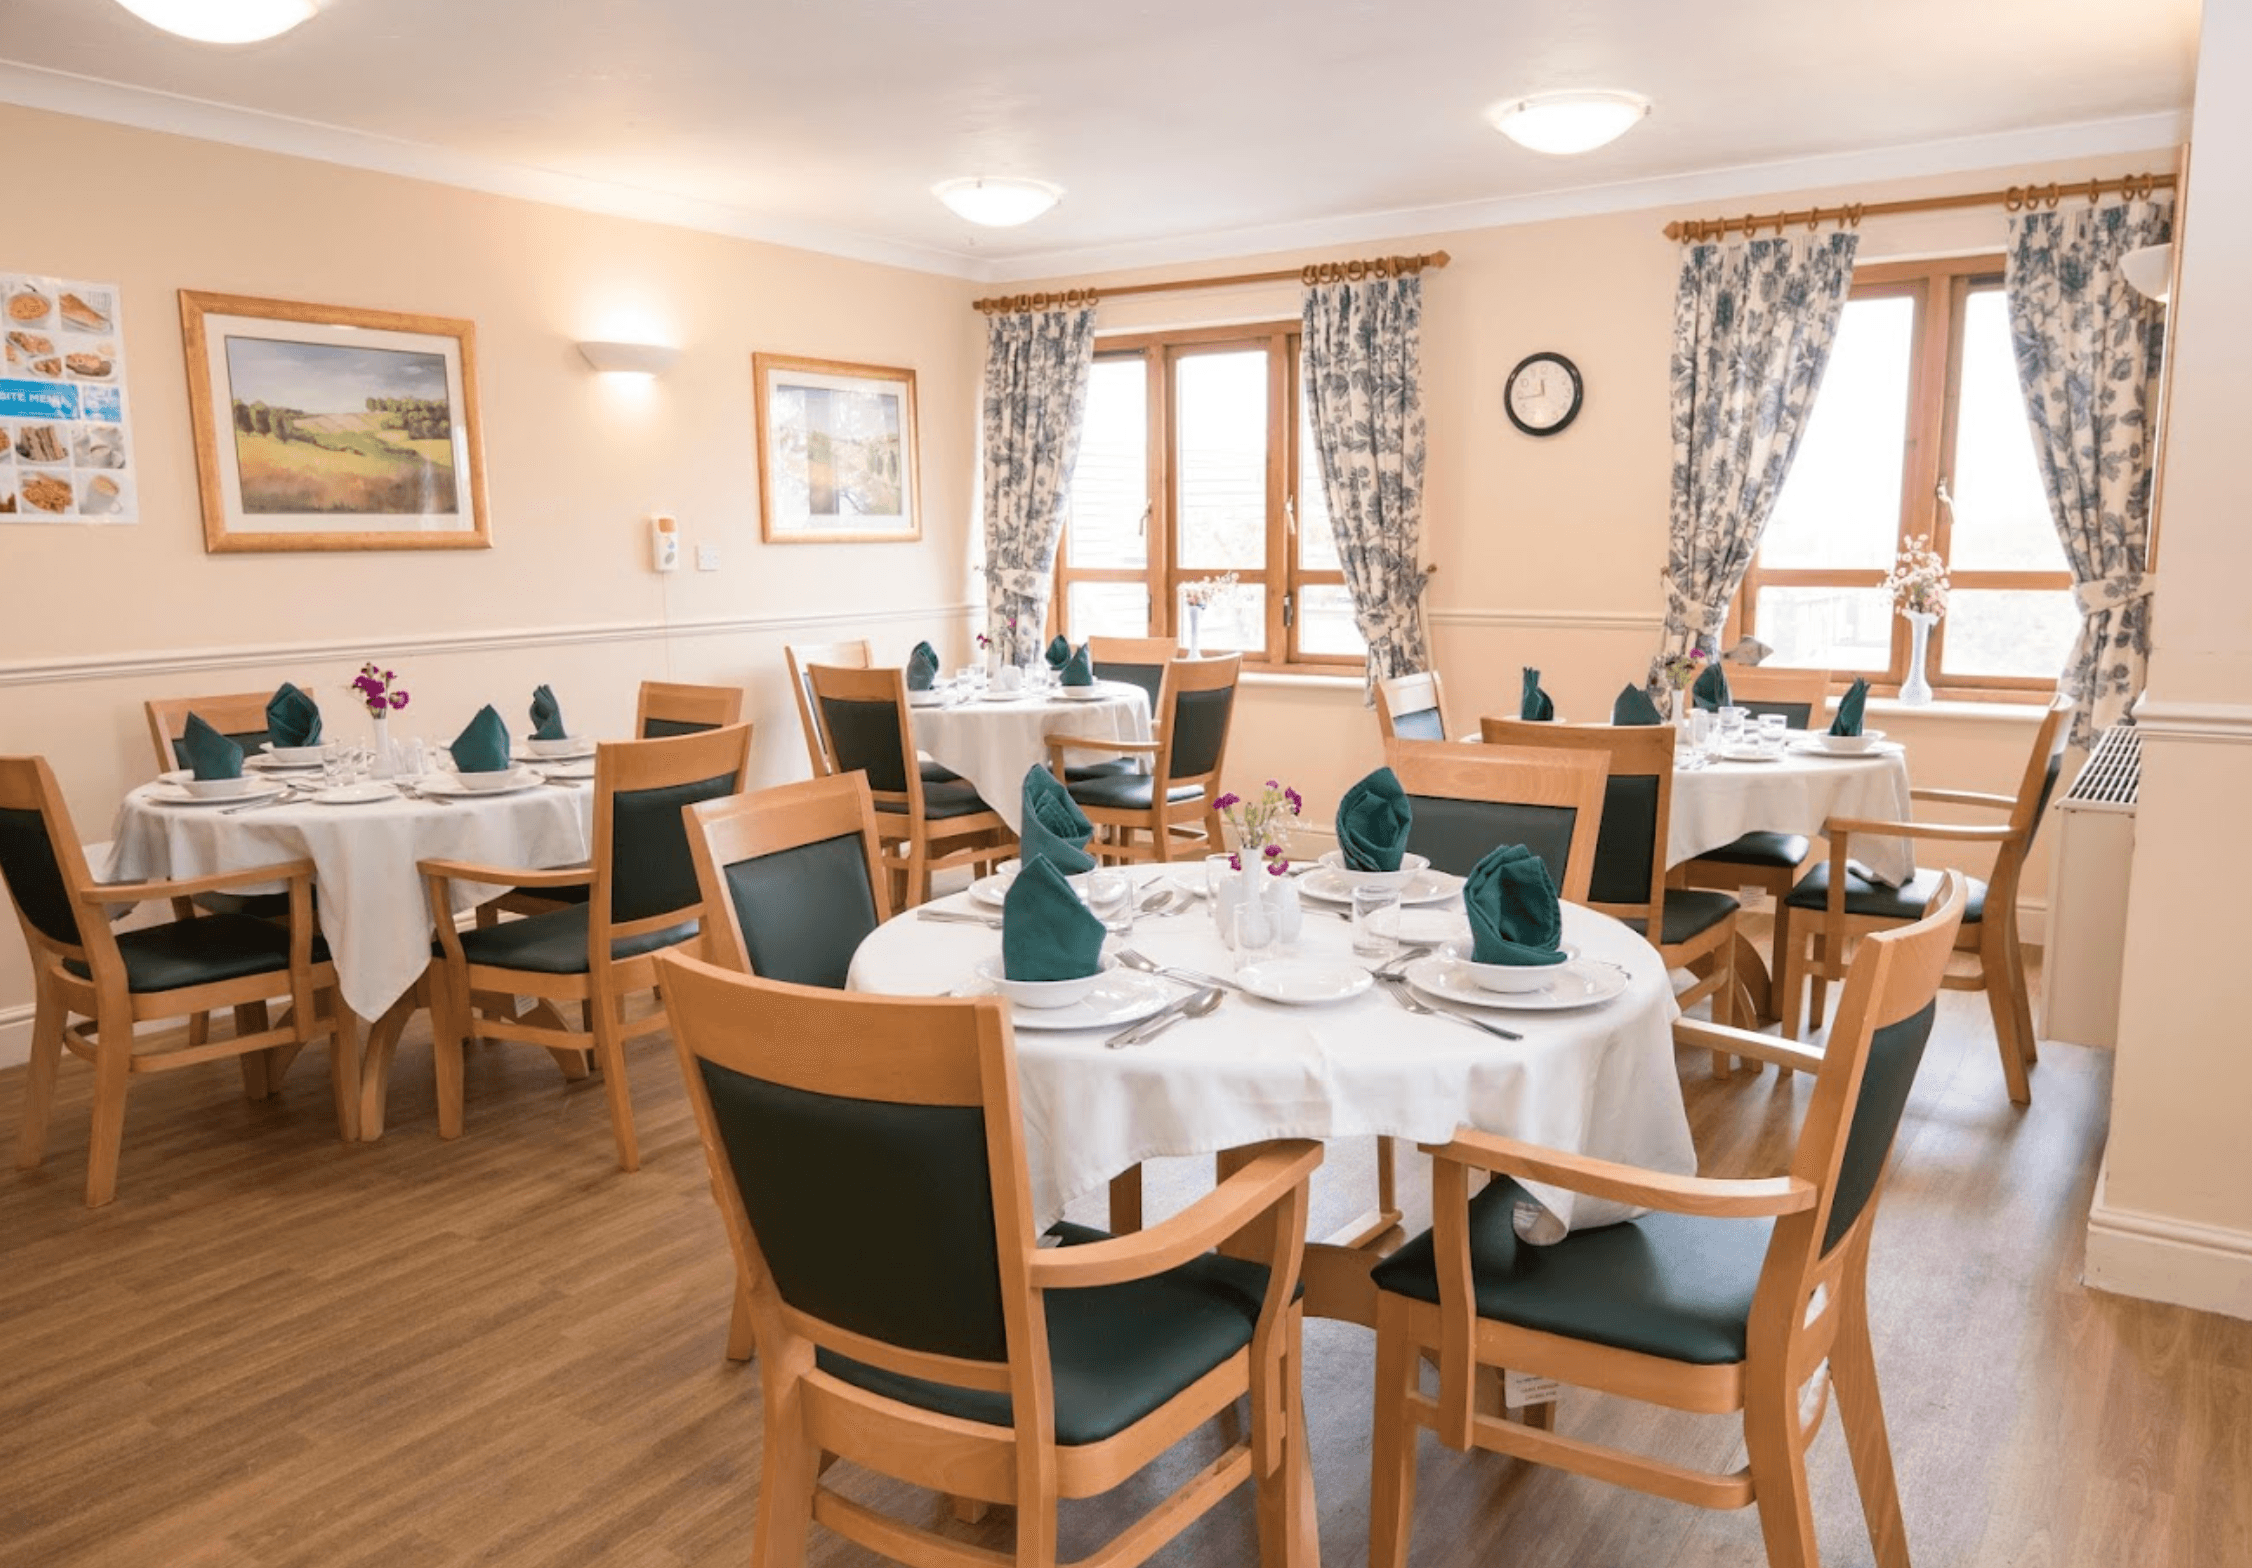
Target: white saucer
{"points": [[1579, 983], [1303, 982], [993, 891], [292, 756], [1426, 887], [267, 762], [365, 793], [1121, 997], [165, 794], [519, 779], [928, 698], [1746, 754]]}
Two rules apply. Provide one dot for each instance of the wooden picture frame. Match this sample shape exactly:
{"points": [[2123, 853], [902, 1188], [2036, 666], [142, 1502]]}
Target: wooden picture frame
{"points": [[397, 464], [807, 496]]}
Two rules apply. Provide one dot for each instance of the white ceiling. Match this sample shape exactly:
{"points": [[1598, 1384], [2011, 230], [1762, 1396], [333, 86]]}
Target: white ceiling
{"points": [[1180, 128]]}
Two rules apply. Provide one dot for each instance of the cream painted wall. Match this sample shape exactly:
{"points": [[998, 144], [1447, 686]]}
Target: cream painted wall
{"points": [[574, 462]]}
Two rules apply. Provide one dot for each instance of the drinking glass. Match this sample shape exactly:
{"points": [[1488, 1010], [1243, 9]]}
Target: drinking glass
{"points": [[1253, 932], [1773, 727], [1732, 724], [1217, 870], [1110, 896], [1369, 902]]}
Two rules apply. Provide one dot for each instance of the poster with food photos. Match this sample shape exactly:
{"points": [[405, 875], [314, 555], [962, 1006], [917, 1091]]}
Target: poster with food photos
{"points": [[66, 450]]}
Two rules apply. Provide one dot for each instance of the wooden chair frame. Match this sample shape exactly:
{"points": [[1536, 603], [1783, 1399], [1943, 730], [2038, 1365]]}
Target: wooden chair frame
{"points": [[1192, 821], [478, 1001], [1994, 939], [230, 713], [717, 706], [766, 822], [1417, 693], [1132, 650], [801, 657], [112, 1009], [923, 1051], [1811, 1304], [1751, 684]]}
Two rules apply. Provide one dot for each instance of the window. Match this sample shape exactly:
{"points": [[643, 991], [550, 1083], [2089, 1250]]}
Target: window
{"points": [[1196, 460], [1919, 429]]}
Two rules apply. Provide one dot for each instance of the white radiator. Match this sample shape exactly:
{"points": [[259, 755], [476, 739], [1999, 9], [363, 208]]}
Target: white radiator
{"points": [[2095, 847]]}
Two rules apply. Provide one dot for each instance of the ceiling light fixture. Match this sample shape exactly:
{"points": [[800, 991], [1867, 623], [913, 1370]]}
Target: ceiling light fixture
{"points": [[997, 204], [223, 21], [630, 359], [1565, 123]]}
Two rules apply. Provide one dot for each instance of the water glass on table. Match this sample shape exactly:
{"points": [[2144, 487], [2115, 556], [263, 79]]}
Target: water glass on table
{"points": [[1253, 931], [1773, 728], [1109, 895], [1374, 934]]}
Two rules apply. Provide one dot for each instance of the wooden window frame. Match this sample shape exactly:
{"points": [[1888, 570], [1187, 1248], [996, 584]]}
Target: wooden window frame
{"points": [[1283, 576], [1934, 397]]}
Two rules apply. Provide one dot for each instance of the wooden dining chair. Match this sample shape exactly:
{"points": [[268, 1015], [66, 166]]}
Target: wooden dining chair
{"points": [[924, 825], [644, 898], [1138, 661], [665, 709], [238, 715], [1411, 707], [801, 657], [867, 1156], [1733, 1295], [1833, 904], [1173, 802], [115, 981]]}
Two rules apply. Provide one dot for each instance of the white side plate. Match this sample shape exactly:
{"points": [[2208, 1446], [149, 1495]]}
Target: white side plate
{"points": [[1303, 982], [1577, 984]]}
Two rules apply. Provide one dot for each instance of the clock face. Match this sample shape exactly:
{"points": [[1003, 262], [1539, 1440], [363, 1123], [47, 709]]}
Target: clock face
{"points": [[1543, 394]]}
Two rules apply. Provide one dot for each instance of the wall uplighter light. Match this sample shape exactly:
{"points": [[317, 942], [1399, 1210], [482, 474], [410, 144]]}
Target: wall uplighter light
{"points": [[630, 359]]}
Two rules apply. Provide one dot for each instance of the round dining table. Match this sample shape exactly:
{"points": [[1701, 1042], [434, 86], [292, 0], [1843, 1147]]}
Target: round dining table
{"points": [[1796, 792], [992, 740]]}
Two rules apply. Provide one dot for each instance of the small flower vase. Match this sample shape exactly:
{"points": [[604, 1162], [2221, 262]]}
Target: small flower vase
{"points": [[379, 745], [1916, 690], [1196, 631], [1680, 707]]}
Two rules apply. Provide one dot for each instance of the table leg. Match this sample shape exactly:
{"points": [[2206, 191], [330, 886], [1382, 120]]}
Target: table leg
{"points": [[1757, 993], [1126, 1201], [375, 1062]]}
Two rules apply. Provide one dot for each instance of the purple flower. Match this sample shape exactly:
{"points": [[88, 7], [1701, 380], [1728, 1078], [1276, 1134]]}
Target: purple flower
{"points": [[1271, 851], [1271, 784], [1297, 802], [1227, 800], [1278, 868], [398, 699], [1235, 862]]}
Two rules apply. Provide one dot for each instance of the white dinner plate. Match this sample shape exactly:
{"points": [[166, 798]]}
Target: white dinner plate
{"points": [[1811, 748], [990, 695], [519, 779], [1121, 997], [1303, 982], [267, 762], [1425, 887], [1746, 754], [927, 698], [1579, 983], [993, 891], [174, 795], [294, 756], [365, 793], [1081, 693]]}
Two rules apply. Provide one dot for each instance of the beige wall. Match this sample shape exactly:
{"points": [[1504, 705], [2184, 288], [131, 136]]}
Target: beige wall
{"points": [[94, 621]]}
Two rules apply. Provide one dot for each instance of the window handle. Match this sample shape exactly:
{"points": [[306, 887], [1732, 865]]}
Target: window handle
{"points": [[1290, 515], [1141, 527], [1945, 499], [1289, 611]]}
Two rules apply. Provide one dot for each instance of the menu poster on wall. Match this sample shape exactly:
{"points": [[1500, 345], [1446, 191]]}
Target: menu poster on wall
{"points": [[66, 453]]}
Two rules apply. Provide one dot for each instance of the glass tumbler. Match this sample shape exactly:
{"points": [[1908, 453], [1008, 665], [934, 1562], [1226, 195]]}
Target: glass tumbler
{"points": [[1374, 935], [1110, 895]]}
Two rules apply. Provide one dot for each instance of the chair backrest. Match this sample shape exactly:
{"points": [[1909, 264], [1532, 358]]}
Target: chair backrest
{"points": [[801, 657], [1141, 660], [1630, 849], [667, 709], [792, 878], [1468, 800], [1411, 707], [42, 861], [238, 715], [866, 1155], [1802, 697], [2043, 765], [866, 728], [1195, 711], [644, 875]]}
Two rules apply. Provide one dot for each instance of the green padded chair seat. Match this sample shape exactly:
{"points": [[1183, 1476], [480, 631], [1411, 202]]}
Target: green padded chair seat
{"points": [[1665, 1285], [1864, 897], [1116, 767], [1118, 1351], [1689, 913], [1783, 851], [1128, 791], [258, 906], [200, 951], [938, 773], [958, 799], [555, 943]]}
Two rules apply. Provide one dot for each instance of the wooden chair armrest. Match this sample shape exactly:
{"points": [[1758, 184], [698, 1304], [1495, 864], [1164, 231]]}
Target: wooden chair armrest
{"points": [[1839, 828], [105, 894], [1742, 1042], [507, 876], [1714, 1197], [1965, 797], [1196, 1230], [1060, 743]]}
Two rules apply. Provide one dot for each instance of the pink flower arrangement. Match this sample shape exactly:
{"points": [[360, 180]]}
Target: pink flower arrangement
{"points": [[1682, 668], [1262, 822], [375, 688]]}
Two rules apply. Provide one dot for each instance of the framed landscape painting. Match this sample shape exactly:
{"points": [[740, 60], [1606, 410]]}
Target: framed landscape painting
{"points": [[836, 451], [326, 428]]}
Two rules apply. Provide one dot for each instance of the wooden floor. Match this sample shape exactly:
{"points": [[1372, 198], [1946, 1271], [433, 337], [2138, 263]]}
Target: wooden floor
{"points": [[275, 1349]]}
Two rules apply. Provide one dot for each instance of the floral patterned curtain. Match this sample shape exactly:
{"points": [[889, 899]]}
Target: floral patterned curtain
{"points": [[1036, 369], [1364, 401], [1753, 324], [2088, 351]]}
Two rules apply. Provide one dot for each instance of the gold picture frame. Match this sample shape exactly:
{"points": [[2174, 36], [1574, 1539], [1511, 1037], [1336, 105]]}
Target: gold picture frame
{"points": [[397, 464], [838, 457]]}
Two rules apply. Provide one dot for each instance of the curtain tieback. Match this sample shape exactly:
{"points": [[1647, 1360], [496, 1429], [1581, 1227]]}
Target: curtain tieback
{"points": [[1684, 612], [2111, 593]]}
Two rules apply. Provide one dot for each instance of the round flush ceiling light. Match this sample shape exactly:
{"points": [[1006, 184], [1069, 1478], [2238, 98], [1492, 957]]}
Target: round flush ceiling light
{"points": [[1572, 122], [223, 21], [997, 204]]}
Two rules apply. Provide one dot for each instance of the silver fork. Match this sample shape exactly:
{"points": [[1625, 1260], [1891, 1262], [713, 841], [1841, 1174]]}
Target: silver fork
{"points": [[955, 917], [1396, 987], [1196, 977]]}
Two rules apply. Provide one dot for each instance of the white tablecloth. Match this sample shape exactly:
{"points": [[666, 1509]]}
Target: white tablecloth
{"points": [[1720, 803], [992, 743], [373, 907], [1599, 1081]]}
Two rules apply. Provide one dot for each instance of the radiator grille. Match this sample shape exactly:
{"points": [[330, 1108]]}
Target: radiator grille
{"points": [[2113, 773]]}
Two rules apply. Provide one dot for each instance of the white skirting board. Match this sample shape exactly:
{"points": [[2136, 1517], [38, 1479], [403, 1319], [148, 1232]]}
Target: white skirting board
{"points": [[2157, 1258], [15, 1035]]}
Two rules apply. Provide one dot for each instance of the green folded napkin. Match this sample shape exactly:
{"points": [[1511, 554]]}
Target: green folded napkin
{"points": [[1079, 669], [922, 667], [1046, 933], [1535, 703], [1373, 821], [483, 746], [1711, 690], [292, 718], [1514, 916], [1848, 721], [1635, 707], [1059, 651], [1054, 828], [210, 754], [547, 715]]}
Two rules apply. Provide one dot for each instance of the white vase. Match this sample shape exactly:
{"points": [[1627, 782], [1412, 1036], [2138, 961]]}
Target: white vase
{"points": [[1196, 632], [1680, 715], [1916, 690], [382, 760]]}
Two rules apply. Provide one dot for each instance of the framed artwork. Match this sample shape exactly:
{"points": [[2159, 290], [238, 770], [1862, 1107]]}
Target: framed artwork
{"points": [[321, 427], [836, 451]]}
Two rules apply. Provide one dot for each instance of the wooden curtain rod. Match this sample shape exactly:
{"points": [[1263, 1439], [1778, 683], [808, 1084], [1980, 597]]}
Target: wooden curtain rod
{"points": [[2016, 198], [1310, 275]]}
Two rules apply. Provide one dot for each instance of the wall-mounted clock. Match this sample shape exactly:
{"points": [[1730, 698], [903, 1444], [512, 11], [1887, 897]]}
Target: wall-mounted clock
{"points": [[1543, 394]]}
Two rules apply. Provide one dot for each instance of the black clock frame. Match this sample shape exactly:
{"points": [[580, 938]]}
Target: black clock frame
{"points": [[1509, 387]]}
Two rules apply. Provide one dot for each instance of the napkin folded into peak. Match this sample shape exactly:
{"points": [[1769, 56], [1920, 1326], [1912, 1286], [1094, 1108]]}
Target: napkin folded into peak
{"points": [[1535, 704], [1079, 669], [210, 755], [1514, 915], [1850, 706], [922, 667], [1633, 706], [292, 717], [1054, 828], [1373, 821], [483, 746], [1711, 690], [1046, 933], [547, 715], [1059, 651]]}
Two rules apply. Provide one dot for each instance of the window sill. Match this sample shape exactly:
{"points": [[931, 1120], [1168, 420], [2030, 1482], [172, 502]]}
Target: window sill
{"points": [[2007, 712]]}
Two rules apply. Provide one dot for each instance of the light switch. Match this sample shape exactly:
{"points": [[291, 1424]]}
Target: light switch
{"points": [[707, 558]]}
